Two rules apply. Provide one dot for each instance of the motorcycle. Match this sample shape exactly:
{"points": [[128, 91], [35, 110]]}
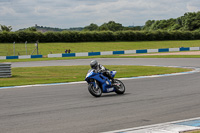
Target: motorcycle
{"points": [[98, 83]]}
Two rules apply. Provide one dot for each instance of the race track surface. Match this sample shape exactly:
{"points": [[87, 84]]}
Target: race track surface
{"points": [[115, 61], [71, 109]]}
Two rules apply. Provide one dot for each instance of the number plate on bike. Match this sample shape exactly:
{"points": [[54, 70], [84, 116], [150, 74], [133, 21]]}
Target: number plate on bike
{"points": [[110, 89]]}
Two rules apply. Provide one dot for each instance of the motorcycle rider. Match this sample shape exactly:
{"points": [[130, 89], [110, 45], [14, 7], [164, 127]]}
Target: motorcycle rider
{"points": [[100, 68]]}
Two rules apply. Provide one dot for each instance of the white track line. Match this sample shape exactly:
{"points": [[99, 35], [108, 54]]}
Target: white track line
{"points": [[150, 128], [195, 70]]}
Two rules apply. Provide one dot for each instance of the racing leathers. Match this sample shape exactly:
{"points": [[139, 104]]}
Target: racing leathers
{"points": [[106, 72]]}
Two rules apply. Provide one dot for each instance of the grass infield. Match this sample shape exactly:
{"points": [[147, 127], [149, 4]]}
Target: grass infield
{"points": [[7, 49], [59, 74]]}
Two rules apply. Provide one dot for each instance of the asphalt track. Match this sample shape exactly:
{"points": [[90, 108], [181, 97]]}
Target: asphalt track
{"points": [[71, 109]]}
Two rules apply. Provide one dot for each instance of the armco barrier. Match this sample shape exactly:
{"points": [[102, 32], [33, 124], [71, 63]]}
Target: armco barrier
{"points": [[5, 70]]}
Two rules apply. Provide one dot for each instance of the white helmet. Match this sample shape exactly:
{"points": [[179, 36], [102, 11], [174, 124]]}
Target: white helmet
{"points": [[94, 64]]}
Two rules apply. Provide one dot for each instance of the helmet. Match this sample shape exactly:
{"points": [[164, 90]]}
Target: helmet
{"points": [[94, 64]]}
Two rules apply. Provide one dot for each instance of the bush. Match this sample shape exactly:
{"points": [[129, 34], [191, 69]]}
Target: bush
{"points": [[126, 36], [52, 36], [96, 36]]}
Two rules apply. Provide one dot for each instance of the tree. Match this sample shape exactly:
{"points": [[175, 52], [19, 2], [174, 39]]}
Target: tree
{"points": [[112, 26], [91, 27], [189, 22], [31, 29], [148, 24], [103, 27], [5, 28]]}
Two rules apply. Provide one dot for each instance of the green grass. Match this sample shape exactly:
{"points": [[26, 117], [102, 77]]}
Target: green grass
{"points": [[47, 48], [103, 56], [58, 74]]}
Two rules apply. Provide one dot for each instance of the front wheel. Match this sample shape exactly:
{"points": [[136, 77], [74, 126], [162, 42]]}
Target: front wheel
{"points": [[96, 92], [119, 87]]}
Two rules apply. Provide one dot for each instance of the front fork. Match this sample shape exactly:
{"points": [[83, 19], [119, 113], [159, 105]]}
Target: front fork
{"points": [[96, 85]]}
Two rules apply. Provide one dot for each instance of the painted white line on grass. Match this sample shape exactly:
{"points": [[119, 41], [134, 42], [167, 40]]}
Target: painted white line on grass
{"points": [[40, 85], [195, 70]]}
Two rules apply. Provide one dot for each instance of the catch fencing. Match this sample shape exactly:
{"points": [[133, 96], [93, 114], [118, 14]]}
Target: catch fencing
{"points": [[17, 49], [5, 70]]}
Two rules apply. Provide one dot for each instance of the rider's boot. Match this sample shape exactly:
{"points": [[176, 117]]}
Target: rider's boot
{"points": [[112, 82]]}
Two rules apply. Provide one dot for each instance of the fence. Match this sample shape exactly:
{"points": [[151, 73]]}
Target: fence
{"points": [[16, 49], [5, 70]]}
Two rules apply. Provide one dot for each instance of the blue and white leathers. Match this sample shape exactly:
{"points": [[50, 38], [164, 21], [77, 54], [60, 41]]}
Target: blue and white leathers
{"points": [[104, 83]]}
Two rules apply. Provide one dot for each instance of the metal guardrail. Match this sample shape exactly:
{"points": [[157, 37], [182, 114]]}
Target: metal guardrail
{"points": [[5, 70]]}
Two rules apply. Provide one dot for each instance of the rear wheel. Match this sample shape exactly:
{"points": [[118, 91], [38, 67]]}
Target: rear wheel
{"points": [[119, 87], [96, 92]]}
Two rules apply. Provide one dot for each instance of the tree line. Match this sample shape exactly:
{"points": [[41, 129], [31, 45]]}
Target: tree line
{"points": [[189, 22], [110, 26], [46, 29], [186, 27]]}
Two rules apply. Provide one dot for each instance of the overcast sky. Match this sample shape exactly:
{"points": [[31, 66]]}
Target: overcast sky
{"points": [[80, 13]]}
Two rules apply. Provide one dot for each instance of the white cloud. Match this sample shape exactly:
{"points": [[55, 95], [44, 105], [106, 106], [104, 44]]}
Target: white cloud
{"points": [[193, 6], [74, 13]]}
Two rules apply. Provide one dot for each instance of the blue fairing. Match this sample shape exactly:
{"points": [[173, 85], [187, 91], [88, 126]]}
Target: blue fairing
{"points": [[103, 81]]}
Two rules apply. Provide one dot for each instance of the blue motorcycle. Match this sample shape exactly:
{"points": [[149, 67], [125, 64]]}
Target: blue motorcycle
{"points": [[98, 83]]}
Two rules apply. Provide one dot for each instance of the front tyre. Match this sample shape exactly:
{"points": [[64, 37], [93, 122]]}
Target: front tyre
{"points": [[119, 87], [96, 92]]}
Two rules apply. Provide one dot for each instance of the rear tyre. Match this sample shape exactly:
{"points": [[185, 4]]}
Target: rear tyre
{"points": [[96, 92], [119, 87]]}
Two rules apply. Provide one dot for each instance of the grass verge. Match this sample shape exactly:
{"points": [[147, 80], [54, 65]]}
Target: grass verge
{"points": [[58, 74], [47, 48]]}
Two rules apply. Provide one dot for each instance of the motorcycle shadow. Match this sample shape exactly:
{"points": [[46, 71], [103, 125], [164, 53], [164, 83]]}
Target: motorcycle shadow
{"points": [[114, 95]]}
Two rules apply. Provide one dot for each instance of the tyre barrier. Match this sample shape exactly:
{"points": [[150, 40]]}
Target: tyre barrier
{"points": [[5, 70]]}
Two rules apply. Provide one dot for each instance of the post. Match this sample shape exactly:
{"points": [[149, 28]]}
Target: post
{"points": [[26, 47], [14, 48], [37, 47]]}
